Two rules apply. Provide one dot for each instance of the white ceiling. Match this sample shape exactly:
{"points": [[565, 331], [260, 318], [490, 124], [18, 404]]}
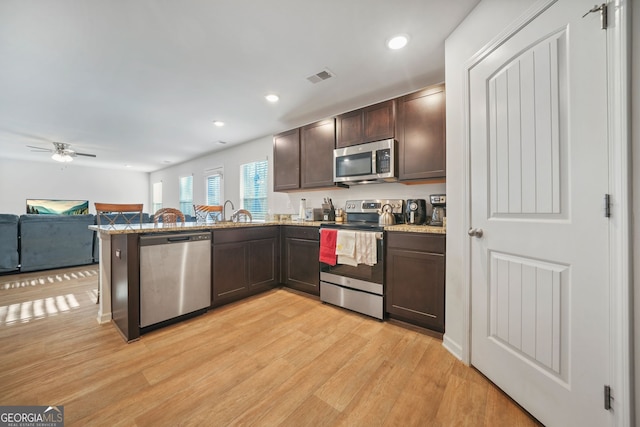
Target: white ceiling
{"points": [[140, 82]]}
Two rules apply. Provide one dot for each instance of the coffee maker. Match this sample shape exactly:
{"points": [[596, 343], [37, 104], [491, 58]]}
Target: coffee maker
{"points": [[439, 203], [416, 212]]}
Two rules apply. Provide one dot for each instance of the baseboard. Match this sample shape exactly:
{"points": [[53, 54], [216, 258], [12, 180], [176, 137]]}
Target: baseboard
{"points": [[452, 346], [104, 318]]}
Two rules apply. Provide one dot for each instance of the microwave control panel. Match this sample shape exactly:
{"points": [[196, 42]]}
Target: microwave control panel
{"points": [[383, 161]]}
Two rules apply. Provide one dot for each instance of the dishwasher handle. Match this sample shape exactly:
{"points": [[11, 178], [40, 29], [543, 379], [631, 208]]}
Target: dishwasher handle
{"points": [[167, 239]]}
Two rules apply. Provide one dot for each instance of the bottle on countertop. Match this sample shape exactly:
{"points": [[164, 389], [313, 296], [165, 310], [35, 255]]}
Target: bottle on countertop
{"points": [[302, 210]]}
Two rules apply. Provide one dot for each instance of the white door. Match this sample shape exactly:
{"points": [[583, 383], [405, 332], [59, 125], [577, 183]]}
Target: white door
{"points": [[539, 171]]}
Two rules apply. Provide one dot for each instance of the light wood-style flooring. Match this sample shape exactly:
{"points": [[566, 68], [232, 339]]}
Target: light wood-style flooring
{"points": [[279, 358]]}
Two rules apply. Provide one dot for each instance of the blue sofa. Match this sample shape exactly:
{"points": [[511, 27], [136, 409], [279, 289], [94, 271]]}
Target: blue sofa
{"points": [[42, 242], [54, 241], [9, 255]]}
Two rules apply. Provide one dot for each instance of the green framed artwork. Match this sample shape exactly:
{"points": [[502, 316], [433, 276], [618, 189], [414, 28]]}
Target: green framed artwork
{"points": [[57, 207]]}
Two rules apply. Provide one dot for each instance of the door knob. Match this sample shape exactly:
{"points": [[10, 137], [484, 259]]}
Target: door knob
{"points": [[475, 232]]}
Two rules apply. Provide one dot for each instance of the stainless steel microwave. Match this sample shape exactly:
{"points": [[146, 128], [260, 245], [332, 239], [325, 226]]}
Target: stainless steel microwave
{"points": [[365, 163]]}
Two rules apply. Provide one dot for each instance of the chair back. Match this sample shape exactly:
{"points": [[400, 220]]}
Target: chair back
{"points": [[111, 214], [168, 216], [203, 212]]}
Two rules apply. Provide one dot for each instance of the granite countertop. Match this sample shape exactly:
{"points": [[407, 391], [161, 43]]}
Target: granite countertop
{"points": [[190, 226], [408, 228], [194, 226]]}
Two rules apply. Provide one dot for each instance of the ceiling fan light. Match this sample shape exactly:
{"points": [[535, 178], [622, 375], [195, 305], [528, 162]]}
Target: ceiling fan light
{"points": [[61, 157]]}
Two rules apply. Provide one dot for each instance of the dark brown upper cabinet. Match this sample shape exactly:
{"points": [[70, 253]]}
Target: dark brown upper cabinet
{"points": [[286, 160], [317, 142], [420, 131], [367, 124]]}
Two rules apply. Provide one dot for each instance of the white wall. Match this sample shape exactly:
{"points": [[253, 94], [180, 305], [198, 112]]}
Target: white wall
{"points": [[261, 149], [484, 23], [21, 180]]}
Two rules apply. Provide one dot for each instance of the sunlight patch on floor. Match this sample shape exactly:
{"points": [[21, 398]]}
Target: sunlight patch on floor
{"points": [[47, 279], [38, 309]]}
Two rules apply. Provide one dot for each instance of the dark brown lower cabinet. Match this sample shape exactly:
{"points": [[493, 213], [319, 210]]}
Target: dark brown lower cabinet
{"points": [[245, 261], [300, 265], [415, 264]]}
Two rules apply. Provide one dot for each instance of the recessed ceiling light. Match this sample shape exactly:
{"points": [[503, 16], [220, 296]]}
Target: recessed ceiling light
{"points": [[398, 42], [218, 123], [127, 166], [272, 97]]}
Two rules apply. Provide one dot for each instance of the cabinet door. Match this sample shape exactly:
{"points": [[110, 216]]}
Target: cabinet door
{"points": [[302, 268], [317, 142], [286, 161], [229, 272], [379, 121], [349, 129], [263, 261], [415, 287], [420, 132]]}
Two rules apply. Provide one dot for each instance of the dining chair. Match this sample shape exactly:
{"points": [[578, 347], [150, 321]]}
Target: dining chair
{"points": [[203, 212], [168, 216], [112, 214]]}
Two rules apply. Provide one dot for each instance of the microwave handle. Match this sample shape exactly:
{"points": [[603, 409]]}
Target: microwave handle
{"points": [[374, 169]]}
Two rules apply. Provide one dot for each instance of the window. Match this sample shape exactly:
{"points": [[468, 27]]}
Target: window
{"points": [[213, 186], [156, 202], [253, 188], [186, 194]]}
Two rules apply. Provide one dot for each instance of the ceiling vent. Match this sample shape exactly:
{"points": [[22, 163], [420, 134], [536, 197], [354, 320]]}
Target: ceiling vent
{"points": [[322, 75]]}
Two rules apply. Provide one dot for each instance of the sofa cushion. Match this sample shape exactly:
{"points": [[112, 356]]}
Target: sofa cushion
{"points": [[54, 241], [9, 256]]}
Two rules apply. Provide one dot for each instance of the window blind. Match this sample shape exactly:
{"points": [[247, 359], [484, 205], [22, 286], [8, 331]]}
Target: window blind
{"points": [[157, 196], [214, 189], [253, 188], [186, 194]]}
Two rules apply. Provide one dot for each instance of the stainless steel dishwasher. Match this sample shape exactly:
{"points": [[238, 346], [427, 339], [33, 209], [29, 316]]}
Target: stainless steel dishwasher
{"points": [[175, 275]]}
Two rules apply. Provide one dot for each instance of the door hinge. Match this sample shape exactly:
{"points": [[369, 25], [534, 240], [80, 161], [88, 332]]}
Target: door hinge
{"points": [[607, 206], [607, 397], [603, 14]]}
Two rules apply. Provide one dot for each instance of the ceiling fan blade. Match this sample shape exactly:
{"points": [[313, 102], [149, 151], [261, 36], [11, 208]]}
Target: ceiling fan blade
{"points": [[84, 154], [40, 149]]}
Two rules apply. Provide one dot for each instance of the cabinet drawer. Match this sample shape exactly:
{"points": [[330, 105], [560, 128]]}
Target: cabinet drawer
{"points": [[301, 232], [243, 234], [416, 241]]}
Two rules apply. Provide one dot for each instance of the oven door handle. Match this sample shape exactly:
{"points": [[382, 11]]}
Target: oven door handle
{"points": [[379, 234]]}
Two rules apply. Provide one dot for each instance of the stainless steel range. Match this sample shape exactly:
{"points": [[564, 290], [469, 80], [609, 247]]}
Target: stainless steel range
{"points": [[359, 286]]}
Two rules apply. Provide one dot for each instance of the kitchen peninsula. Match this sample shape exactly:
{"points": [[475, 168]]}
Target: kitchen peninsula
{"points": [[245, 260]]}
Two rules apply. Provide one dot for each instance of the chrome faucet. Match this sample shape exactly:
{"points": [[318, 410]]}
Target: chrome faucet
{"points": [[224, 208]]}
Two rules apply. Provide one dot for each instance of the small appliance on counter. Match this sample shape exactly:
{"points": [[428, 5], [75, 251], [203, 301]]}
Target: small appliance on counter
{"points": [[416, 212], [313, 214], [328, 211], [439, 203]]}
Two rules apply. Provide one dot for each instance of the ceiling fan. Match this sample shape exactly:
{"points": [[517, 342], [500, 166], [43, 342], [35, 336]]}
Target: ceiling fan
{"points": [[61, 152]]}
